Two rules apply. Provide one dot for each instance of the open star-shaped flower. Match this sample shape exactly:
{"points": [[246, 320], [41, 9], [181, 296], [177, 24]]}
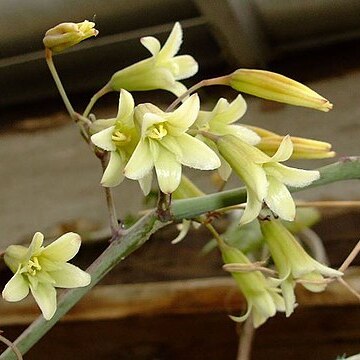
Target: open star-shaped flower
{"points": [[41, 269], [161, 71], [165, 145]]}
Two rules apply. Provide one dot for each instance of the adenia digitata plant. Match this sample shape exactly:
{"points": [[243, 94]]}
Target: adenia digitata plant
{"points": [[143, 138]]}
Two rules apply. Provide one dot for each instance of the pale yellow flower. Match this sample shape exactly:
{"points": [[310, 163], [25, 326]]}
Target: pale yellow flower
{"points": [[161, 71], [262, 295], [118, 136], [220, 121], [165, 145], [265, 178], [41, 269], [292, 262], [66, 35]]}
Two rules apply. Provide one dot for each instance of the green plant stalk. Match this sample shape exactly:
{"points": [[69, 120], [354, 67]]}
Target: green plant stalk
{"points": [[117, 251], [345, 169], [137, 235]]}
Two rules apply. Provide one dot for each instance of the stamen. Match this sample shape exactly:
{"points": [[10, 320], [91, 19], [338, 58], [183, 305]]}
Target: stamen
{"points": [[33, 266], [157, 132], [120, 138]]}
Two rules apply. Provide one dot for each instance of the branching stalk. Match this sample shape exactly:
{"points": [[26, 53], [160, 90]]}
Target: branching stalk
{"points": [[138, 234], [208, 82], [95, 98]]}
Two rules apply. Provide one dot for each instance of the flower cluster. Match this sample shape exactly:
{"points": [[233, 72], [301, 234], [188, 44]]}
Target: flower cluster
{"points": [[144, 137]]}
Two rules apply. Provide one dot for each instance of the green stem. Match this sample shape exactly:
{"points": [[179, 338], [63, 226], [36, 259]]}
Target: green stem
{"points": [[50, 63], [208, 82], [116, 252], [345, 169], [95, 98], [136, 236]]}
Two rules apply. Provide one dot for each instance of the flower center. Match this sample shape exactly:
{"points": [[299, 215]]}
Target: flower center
{"points": [[120, 139], [33, 266], [157, 131]]}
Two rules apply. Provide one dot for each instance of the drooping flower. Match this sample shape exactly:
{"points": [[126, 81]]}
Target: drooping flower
{"points": [[161, 71], [276, 87], [220, 121], [66, 35], [262, 295], [165, 145], [292, 262], [41, 269], [265, 178], [119, 136]]}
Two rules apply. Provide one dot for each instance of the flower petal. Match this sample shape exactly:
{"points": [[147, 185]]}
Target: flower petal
{"points": [[126, 105], [70, 276], [252, 209], [16, 289], [224, 169], [243, 133], [186, 66], [151, 43], [45, 296], [14, 256], [280, 200], [291, 176], [284, 151], [172, 44], [145, 183], [114, 172], [148, 120], [177, 88], [184, 116], [101, 124], [103, 139], [35, 245], [140, 163], [168, 171], [196, 154], [64, 248], [228, 113]]}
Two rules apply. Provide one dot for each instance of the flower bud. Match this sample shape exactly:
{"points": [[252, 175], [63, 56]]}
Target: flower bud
{"points": [[65, 35], [276, 87], [303, 148]]}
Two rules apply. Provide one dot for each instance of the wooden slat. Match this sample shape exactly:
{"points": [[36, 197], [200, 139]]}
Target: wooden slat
{"points": [[196, 296]]}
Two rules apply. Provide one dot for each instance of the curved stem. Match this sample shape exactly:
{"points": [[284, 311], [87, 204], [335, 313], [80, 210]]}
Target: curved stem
{"points": [[11, 346], [345, 169], [138, 234], [208, 82], [95, 98], [50, 63]]}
